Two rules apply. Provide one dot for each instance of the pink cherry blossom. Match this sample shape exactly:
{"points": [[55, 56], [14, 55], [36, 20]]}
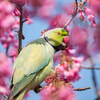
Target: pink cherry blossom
{"points": [[88, 11], [18, 2], [29, 20], [17, 12], [5, 69], [58, 21], [70, 73], [62, 92], [6, 17], [81, 15], [90, 17]]}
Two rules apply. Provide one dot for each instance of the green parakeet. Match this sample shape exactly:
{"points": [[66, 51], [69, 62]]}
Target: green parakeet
{"points": [[35, 62]]}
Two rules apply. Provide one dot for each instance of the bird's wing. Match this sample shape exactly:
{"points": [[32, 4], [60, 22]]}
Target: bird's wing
{"points": [[30, 61]]}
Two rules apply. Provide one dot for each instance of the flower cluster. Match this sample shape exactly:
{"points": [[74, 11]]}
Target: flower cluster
{"points": [[57, 90], [69, 71], [6, 17], [90, 15], [58, 21], [5, 71]]}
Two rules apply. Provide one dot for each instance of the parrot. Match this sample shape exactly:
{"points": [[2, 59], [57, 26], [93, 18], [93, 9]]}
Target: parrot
{"points": [[35, 62]]}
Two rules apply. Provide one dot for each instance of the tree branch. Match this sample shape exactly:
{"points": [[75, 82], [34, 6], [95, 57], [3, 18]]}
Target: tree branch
{"points": [[20, 30], [95, 68], [82, 89], [75, 13], [94, 78]]}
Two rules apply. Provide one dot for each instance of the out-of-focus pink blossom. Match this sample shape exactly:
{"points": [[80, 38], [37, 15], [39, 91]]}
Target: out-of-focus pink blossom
{"points": [[29, 20], [16, 24], [93, 23], [7, 21], [79, 40], [6, 40], [78, 35], [71, 51], [57, 57], [3, 86], [62, 92], [96, 42], [58, 21], [17, 12], [88, 11], [5, 69], [18, 2], [43, 9], [81, 15], [90, 17], [6, 17], [95, 5], [69, 9], [66, 93]]}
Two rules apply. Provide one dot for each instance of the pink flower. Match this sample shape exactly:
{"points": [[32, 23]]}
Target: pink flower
{"points": [[16, 24], [3, 86], [70, 73], [95, 5], [5, 69], [78, 35], [81, 15], [66, 40], [62, 92], [6, 17], [58, 21], [88, 11], [90, 17], [8, 21], [66, 93], [42, 8], [93, 23], [18, 2], [29, 20], [17, 12]]}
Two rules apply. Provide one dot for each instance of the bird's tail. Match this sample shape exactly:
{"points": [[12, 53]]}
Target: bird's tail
{"points": [[18, 96]]}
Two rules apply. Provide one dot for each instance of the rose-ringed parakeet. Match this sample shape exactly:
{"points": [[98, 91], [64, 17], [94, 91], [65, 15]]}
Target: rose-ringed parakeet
{"points": [[35, 62]]}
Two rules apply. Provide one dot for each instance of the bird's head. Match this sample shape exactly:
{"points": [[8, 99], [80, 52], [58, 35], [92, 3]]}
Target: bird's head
{"points": [[56, 37]]}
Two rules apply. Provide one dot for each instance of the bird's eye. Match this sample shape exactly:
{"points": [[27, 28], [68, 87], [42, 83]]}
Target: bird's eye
{"points": [[59, 33]]}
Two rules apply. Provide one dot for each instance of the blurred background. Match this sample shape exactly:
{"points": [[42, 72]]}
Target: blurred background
{"points": [[56, 15]]}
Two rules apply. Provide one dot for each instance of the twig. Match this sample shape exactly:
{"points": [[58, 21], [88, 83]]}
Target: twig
{"points": [[5, 96], [76, 5], [24, 20], [75, 13], [82, 89], [20, 30], [94, 78], [95, 68], [7, 50]]}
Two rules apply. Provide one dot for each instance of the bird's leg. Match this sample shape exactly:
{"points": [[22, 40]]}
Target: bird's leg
{"points": [[38, 89]]}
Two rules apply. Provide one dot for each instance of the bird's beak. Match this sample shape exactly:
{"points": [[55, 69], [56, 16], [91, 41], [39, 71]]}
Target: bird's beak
{"points": [[64, 43]]}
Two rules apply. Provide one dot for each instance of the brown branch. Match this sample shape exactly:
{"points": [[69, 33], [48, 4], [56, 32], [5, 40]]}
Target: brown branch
{"points": [[75, 13], [95, 68], [82, 89], [94, 78], [20, 30], [7, 50], [24, 20]]}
